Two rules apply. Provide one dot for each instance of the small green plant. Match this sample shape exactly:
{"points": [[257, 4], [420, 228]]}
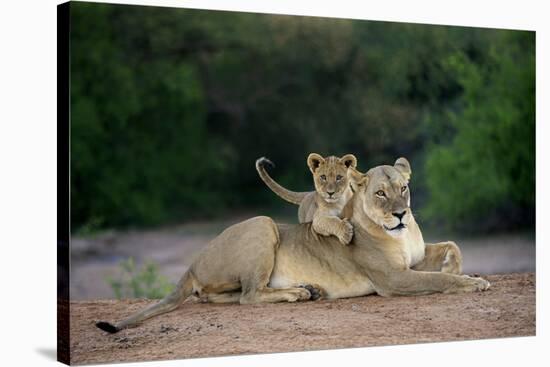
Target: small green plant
{"points": [[91, 227], [139, 283]]}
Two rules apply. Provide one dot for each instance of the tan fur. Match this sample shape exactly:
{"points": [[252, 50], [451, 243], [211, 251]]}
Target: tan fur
{"points": [[324, 206], [260, 261], [290, 196]]}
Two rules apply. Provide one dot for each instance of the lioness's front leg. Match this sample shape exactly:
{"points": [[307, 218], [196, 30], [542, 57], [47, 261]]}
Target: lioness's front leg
{"points": [[443, 256], [412, 282], [333, 226]]}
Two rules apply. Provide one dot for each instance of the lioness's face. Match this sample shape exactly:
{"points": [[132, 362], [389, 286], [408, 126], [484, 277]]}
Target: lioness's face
{"points": [[330, 175], [386, 197]]}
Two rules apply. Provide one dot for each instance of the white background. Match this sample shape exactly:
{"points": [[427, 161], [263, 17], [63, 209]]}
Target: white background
{"points": [[28, 181]]}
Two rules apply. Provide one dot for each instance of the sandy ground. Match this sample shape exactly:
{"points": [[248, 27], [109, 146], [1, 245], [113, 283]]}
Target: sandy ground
{"points": [[93, 259], [198, 330]]}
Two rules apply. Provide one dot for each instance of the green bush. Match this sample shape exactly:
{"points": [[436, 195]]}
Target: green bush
{"points": [[139, 144], [485, 175], [171, 107]]}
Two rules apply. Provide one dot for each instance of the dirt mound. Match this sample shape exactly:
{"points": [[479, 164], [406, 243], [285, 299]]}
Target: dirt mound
{"points": [[200, 330]]}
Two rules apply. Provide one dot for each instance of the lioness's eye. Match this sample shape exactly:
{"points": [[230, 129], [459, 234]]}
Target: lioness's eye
{"points": [[323, 177], [338, 178], [404, 188], [380, 193]]}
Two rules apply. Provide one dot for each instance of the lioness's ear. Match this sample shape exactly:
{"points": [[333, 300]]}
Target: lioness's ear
{"points": [[403, 166], [349, 160], [313, 161], [356, 178]]}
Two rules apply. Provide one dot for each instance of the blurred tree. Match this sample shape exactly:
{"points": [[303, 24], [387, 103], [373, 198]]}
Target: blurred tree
{"points": [[484, 177], [171, 107], [139, 145]]}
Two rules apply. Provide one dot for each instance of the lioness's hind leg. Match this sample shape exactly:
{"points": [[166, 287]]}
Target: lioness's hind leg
{"points": [[255, 273], [255, 289], [443, 256], [230, 297], [272, 295], [452, 262]]}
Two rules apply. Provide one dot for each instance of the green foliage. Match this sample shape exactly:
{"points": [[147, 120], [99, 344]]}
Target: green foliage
{"points": [[139, 283], [171, 107], [139, 140], [486, 172]]}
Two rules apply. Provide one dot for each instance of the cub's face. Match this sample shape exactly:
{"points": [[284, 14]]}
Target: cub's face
{"points": [[385, 196], [330, 175]]}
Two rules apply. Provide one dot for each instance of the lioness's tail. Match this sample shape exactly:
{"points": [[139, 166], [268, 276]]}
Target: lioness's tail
{"points": [[167, 304], [290, 196]]}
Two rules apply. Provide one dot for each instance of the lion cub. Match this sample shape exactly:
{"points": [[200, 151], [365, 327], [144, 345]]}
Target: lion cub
{"points": [[323, 207]]}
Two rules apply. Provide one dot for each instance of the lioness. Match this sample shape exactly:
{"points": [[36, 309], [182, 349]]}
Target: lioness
{"points": [[260, 261], [323, 207]]}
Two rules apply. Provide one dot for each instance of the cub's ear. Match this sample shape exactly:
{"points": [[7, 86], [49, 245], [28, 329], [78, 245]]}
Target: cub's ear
{"points": [[313, 161], [349, 160], [403, 166], [357, 179]]}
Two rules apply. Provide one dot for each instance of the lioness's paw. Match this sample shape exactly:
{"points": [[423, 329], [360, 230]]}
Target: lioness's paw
{"points": [[346, 233], [315, 292], [477, 284], [483, 284], [301, 294]]}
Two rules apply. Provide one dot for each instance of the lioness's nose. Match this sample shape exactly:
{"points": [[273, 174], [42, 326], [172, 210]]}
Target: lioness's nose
{"points": [[330, 193], [399, 215]]}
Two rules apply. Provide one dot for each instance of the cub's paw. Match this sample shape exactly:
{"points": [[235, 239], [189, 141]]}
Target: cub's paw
{"points": [[346, 233]]}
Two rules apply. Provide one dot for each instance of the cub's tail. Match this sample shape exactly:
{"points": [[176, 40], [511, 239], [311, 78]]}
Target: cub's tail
{"points": [[290, 196]]}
